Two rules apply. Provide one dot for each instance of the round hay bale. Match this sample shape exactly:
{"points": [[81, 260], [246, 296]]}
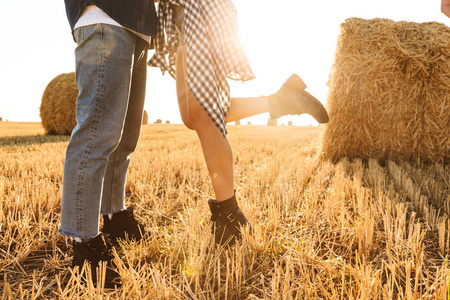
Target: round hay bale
{"points": [[290, 123], [145, 118], [271, 122], [249, 123], [158, 121], [167, 122], [237, 122], [389, 92], [58, 105]]}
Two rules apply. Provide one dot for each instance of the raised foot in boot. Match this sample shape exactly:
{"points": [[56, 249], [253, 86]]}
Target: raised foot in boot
{"points": [[96, 251], [228, 221], [292, 99], [123, 226]]}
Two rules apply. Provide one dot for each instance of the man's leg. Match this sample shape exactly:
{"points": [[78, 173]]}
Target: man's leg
{"points": [[119, 221], [113, 198], [104, 63]]}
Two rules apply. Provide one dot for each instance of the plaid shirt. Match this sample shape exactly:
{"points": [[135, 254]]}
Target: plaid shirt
{"points": [[213, 51]]}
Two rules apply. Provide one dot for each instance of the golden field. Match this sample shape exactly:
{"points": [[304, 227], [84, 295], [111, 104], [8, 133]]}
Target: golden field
{"points": [[351, 230]]}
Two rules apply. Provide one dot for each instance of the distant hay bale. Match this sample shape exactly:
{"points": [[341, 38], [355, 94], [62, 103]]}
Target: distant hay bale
{"points": [[167, 122], [249, 123], [158, 121], [290, 123], [271, 122], [1, 119], [145, 118], [237, 122], [389, 92], [57, 110]]}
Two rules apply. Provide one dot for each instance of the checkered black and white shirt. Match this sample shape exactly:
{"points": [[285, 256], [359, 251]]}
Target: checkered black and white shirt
{"points": [[214, 51]]}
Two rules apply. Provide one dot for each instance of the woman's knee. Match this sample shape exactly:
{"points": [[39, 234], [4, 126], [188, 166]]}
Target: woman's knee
{"points": [[183, 107], [198, 116]]}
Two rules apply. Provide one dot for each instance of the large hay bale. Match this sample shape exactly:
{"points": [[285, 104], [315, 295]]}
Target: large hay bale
{"points": [[58, 105], [389, 92]]}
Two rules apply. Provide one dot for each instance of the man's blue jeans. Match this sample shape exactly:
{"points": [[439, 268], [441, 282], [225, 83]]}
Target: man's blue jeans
{"points": [[111, 73]]}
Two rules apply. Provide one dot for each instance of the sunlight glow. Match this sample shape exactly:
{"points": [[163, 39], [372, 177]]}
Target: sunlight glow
{"points": [[280, 37]]}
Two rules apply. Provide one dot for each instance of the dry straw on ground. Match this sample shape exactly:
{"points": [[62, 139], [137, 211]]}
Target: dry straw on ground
{"points": [[389, 92], [349, 230], [58, 104]]}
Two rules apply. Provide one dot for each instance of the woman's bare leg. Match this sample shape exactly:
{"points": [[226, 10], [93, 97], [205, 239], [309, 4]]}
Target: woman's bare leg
{"points": [[241, 108], [216, 148]]}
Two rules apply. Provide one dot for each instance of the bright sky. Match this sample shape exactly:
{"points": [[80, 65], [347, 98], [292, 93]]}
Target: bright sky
{"points": [[281, 37]]}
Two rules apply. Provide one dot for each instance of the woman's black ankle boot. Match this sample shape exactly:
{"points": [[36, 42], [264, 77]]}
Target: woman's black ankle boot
{"points": [[227, 220]]}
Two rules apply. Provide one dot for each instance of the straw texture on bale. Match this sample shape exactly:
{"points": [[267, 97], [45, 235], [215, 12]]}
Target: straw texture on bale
{"points": [[58, 105], [389, 92]]}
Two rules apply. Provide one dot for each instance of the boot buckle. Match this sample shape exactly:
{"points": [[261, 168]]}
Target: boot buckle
{"points": [[231, 217]]}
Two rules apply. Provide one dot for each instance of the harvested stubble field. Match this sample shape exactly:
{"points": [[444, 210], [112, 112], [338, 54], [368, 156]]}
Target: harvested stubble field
{"points": [[351, 230]]}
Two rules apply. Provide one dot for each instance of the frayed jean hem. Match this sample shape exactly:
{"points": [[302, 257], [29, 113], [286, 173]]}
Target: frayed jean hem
{"points": [[73, 235], [113, 212]]}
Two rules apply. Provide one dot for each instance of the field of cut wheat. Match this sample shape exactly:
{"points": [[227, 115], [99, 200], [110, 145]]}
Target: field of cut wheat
{"points": [[351, 230]]}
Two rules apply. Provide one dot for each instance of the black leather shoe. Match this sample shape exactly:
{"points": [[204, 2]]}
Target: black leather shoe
{"points": [[123, 226], [292, 99], [228, 220], [93, 252]]}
